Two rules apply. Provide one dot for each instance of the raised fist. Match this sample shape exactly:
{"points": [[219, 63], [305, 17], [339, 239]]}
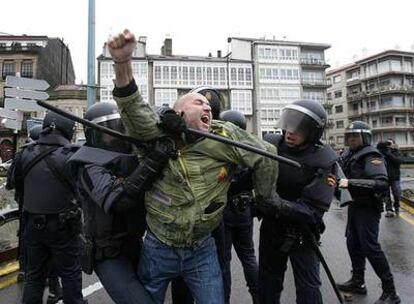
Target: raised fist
{"points": [[122, 46]]}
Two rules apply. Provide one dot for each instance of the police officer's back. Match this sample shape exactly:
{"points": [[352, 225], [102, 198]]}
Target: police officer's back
{"points": [[51, 215]]}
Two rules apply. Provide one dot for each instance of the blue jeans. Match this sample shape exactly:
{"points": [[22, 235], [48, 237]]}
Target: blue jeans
{"points": [[120, 280], [198, 266]]}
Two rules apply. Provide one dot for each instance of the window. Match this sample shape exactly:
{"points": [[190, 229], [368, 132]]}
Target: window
{"points": [[391, 101], [27, 69], [269, 116], [400, 121], [337, 79], [165, 97], [9, 68], [329, 96], [338, 94], [339, 109], [241, 76], [340, 124], [241, 100]]}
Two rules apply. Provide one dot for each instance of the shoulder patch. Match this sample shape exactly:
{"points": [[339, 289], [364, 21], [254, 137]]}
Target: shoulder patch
{"points": [[222, 174], [376, 161]]}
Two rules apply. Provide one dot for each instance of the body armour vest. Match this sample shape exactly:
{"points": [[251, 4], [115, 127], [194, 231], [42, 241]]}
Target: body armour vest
{"points": [[362, 164], [307, 183], [100, 174], [44, 191]]}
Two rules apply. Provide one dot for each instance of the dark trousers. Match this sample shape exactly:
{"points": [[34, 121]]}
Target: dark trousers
{"points": [[273, 265], [396, 193], [45, 240], [362, 241], [241, 237], [119, 278]]}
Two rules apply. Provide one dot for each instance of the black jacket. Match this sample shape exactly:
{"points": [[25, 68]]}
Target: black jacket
{"points": [[394, 160]]}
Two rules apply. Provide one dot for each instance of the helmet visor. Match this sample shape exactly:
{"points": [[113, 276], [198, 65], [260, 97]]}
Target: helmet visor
{"points": [[356, 138], [109, 142], [297, 122]]}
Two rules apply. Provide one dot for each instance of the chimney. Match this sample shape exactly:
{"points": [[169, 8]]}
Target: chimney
{"points": [[209, 55], [219, 54], [166, 49]]}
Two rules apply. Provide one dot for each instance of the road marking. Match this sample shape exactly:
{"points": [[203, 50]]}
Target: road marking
{"points": [[91, 289], [87, 291], [9, 281], [408, 219], [9, 268], [407, 207]]}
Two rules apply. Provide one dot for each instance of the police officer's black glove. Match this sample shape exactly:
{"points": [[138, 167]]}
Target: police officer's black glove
{"points": [[170, 122], [174, 124], [296, 212], [147, 172]]}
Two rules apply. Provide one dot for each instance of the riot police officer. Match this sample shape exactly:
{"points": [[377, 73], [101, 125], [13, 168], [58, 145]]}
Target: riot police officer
{"points": [[50, 211], [112, 186], [367, 182], [238, 222], [308, 188]]}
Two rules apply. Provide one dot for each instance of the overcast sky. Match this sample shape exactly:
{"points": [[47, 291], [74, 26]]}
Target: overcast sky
{"points": [[199, 27]]}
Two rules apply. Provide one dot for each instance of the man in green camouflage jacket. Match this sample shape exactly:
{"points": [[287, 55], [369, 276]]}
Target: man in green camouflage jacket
{"points": [[187, 203]]}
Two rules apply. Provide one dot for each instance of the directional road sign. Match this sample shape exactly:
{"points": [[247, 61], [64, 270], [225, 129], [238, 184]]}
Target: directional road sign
{"points": [[28, 105], [26, 83], [11, 123], [38, 95], [11, 119], [16, 115]]}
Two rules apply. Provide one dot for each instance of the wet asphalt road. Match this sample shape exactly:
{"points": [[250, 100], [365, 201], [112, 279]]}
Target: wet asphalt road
{"points": [[397, 239]]}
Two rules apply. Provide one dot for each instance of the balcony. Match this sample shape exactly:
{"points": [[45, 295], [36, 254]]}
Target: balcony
{"points": [[314, 83], [393, 126], [314, 63], [327, 104], [355, 96], [393, 88]]}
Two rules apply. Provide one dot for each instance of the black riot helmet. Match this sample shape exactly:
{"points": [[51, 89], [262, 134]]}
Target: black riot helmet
{"points": [[55, 122], [105, 114], [304, 116], [234, 117], [358, 129], [214, 98], [34, 132]]}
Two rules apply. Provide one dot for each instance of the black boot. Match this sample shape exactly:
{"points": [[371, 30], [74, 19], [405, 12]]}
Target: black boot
{"points": [[355, 285], [389, 295], [55, 291]]}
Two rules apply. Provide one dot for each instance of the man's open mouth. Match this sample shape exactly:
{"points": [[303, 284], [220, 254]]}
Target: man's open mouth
{"points": [[205, 119]]}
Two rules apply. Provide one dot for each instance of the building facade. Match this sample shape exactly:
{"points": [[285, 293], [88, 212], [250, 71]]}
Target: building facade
{"points": [[37, 57], [257, 78], [284, 71], [380, 91], [162, 79]]}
